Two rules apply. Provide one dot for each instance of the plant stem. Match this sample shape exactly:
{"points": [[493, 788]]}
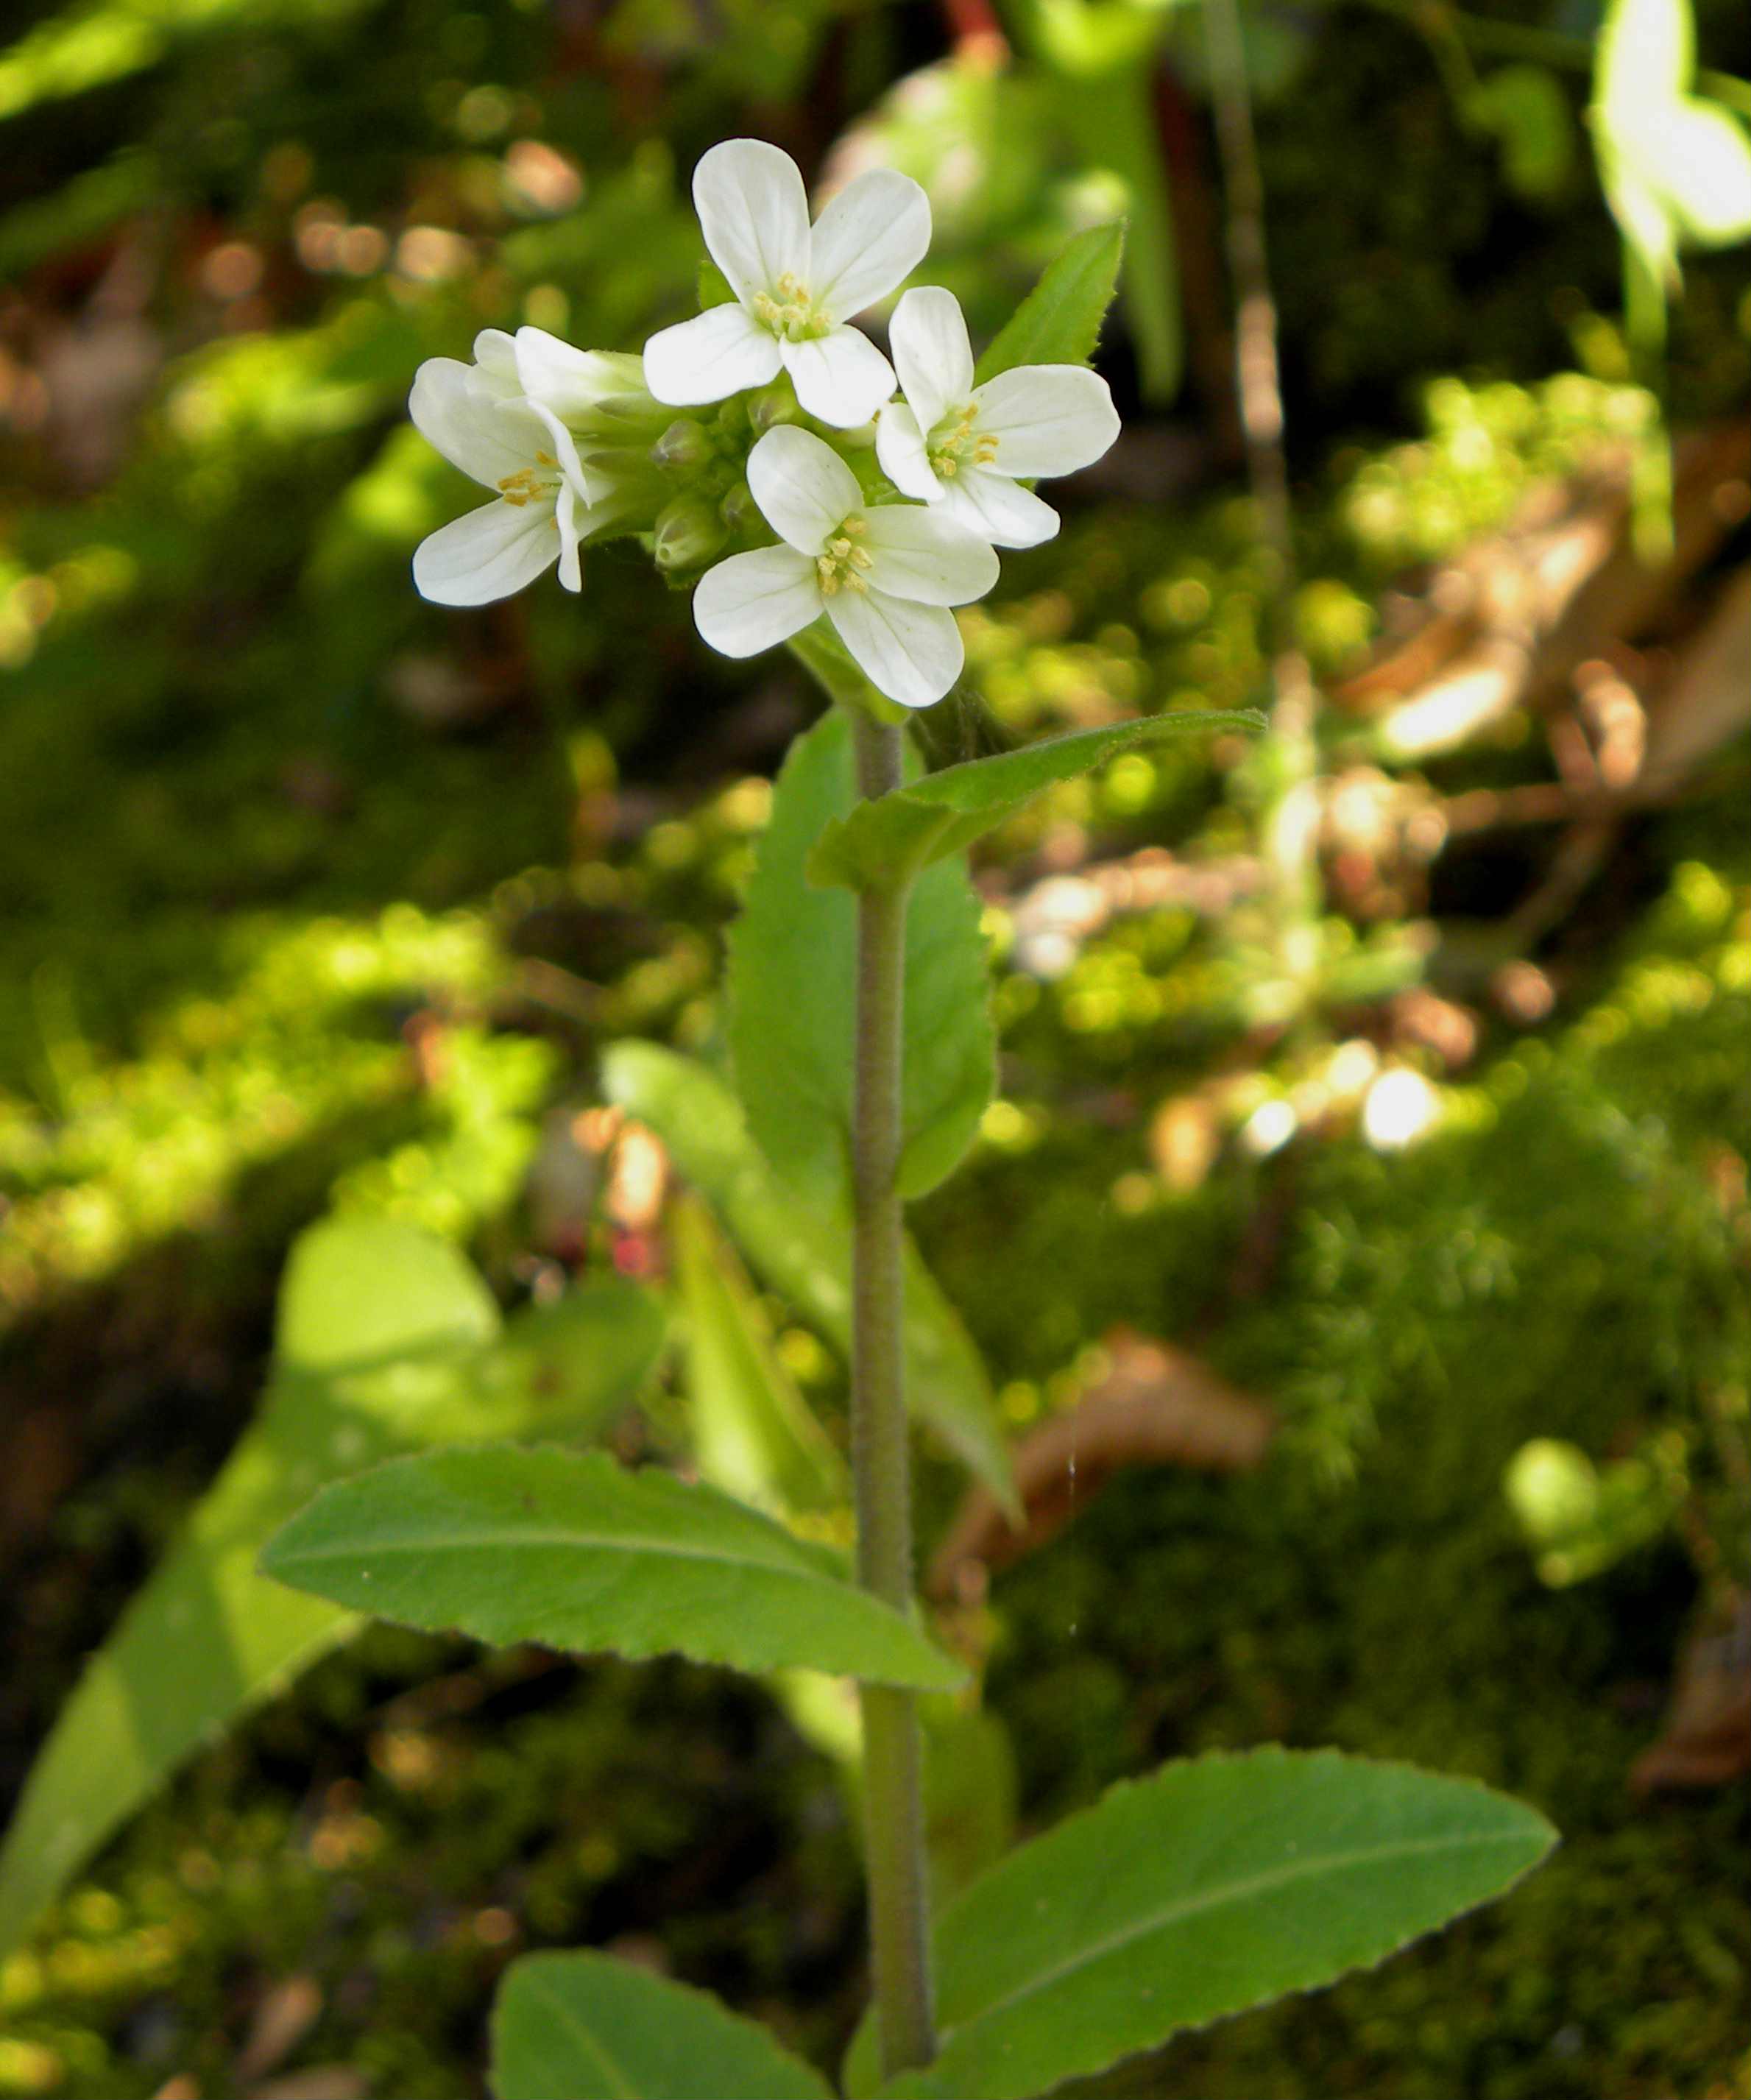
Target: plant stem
{"points": [[894, 1799], [1291, 822]]}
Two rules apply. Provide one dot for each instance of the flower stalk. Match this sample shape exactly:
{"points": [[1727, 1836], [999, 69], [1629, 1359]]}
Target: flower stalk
{"points": [[894, 1792]]}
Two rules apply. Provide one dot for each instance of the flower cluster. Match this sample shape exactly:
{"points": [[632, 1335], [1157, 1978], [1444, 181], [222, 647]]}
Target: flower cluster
{"points": [[887, 487]]}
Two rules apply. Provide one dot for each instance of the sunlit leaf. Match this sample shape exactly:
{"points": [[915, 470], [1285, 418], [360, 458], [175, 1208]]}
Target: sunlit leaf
{"points": [[514, 1543], [1214, 1885], [586, 2027], [753, 1435], [1647, 53], [945, 812], [388, 1340], [792, 983], [1697, 159], [806, 1257]]}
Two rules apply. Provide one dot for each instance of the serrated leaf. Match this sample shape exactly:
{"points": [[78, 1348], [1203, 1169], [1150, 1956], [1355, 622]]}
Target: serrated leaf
{"points": [[753, 1435], [807, 1257], [1059, 321], [510, 1542], [945, 812], [792, 988], [387, 1340], [586, 2027], [1214, 1885]]}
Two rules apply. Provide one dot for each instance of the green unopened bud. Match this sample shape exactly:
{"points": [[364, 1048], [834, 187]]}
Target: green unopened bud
{"points": [[684, 446], [738, 510], [773, 405], [689, 533]]}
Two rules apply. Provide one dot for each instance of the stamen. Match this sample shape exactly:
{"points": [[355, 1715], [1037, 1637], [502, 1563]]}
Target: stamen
{"points": [[838, 565]]}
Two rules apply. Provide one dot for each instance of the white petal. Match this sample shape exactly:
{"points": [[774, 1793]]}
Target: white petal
{"points": [[572, 382], [842, 377], [900, 446], [458, 418], [922, 555], [803, 488], [489, 553], [717, 354], [998, 508], [754, 602], [566, 516], [754, 211], [1046, 418], [912, 652], [557, 442], [932, 353], [870, 238], [496, 361]]}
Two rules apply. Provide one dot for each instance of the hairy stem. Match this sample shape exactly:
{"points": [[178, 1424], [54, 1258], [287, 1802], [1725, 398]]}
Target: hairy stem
{"points": [[892, 1757]]}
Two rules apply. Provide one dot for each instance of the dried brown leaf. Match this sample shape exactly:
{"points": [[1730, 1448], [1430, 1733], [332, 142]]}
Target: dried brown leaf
{"points": [[1158, 1405]]}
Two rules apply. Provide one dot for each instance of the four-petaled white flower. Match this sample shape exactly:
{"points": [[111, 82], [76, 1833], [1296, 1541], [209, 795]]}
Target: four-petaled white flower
{"points": [[795, 288], [965, 448], [884, 576], [487, 418]]}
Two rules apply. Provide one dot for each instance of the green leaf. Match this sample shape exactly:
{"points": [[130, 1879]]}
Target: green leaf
{"points": [[1059, 321], [945, 812], [753, 1435], [792, 996], [806, 1257], [1212, 1885], [387, 1340], [1526, 108], [586, 2027], [510, 1543]]}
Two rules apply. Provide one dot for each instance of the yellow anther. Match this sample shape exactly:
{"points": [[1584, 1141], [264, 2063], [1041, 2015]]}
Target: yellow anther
{"points": [[838, 549], [855, 527], [545, 459], [857, 583], [862, 559]]}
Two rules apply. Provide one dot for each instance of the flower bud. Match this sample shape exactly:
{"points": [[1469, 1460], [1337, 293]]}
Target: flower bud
{"points": [[684, 446], [738, 510], [773, 405], [688, 533]]}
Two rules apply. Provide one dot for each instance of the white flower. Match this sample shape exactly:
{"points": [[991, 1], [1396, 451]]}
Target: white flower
{"points": [[965, 448], [883, 576], [477, 417], [795, 288], [504, 420]]}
